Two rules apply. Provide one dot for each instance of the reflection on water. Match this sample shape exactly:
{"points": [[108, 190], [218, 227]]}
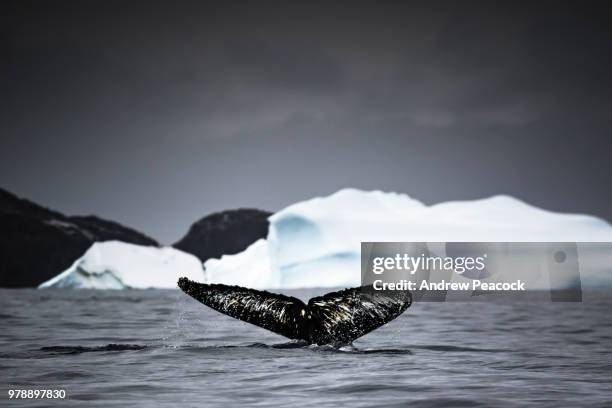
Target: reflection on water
{"points": [[140, 347]]}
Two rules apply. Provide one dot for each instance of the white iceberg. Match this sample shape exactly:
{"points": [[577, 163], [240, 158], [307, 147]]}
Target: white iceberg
{"points": [[317, 243], [118, 265], [250, 268]]}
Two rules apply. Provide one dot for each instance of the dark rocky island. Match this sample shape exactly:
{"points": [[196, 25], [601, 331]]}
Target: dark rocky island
{"points": [[227, 232], [37, 243]]}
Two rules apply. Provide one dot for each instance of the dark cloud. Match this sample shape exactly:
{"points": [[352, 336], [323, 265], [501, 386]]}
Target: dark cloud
{"points": [[156, 113]]}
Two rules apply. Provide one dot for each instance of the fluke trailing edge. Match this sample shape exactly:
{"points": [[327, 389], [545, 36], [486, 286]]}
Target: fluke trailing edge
{"points": [[335, 318]]}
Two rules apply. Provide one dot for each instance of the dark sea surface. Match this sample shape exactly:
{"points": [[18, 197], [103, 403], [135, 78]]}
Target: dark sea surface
{"points": [[160, 347]]}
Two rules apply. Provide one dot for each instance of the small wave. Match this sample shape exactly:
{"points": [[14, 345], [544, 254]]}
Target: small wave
{"points": [[329, 348], [380, 351], [63, 375], [107, 298], [88, 349], [288, 345], [350, 349], [575, 331], [458, 349]]}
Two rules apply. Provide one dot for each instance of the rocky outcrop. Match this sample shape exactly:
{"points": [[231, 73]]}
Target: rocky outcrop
{"points": [[37, 243], [224, 233]]}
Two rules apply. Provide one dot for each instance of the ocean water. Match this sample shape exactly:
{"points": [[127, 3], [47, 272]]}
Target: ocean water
{"points": [[156, 347]]}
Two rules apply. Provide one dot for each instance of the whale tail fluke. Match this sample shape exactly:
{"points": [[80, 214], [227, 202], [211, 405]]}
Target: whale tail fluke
{"points": [[334, 318], [274, 312]]}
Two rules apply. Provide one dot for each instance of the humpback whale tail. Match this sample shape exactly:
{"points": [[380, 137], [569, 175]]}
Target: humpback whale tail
{"points": [[335, 318]]}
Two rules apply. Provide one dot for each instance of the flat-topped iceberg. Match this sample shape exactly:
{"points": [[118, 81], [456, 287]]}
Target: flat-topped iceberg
{"points": [[118, 265], [317, 243]]}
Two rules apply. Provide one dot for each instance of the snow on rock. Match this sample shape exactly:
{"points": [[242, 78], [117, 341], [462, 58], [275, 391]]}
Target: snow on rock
{"points": [[118, 265], [316, 243]]}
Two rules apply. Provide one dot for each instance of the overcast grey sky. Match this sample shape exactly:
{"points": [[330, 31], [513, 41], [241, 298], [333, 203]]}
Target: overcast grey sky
{"points": [[155, 114]]}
